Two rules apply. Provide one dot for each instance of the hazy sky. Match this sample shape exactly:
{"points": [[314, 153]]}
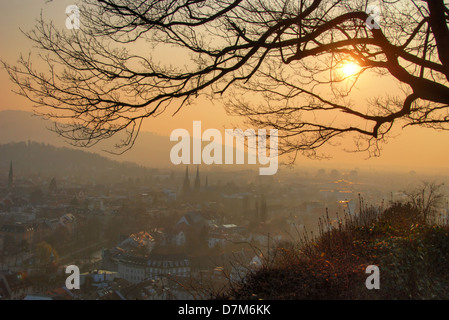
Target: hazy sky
{"points": [[414, 148]]}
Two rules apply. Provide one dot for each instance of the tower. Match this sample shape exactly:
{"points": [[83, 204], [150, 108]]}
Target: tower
{"points": [[52, 188], [186, 185], [10, 177], [197, 180]]}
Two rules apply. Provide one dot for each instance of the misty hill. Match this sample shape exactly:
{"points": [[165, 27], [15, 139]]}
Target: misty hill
{"points": [[17, 126], [31, 158], [150, 150]]}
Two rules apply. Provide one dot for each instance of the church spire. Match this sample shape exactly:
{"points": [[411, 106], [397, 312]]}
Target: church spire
{"points": [[10, 177], [186, 185], [197, 179]]}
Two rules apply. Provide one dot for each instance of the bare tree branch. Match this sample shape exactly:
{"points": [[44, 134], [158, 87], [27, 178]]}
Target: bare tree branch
{"points": [[274, 62]]}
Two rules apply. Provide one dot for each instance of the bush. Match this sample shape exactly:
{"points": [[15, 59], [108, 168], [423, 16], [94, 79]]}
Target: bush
{"points": [[412, 257]]}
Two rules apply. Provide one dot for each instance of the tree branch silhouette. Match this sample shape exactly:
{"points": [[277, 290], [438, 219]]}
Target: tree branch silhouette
{"points": [[273, 62]]}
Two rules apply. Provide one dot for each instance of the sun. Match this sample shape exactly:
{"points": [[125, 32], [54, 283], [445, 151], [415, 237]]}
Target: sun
{"points": [[349, 69]]}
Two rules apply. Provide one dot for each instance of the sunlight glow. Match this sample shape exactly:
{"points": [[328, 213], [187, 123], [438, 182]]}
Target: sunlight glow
{"points": [[349, 69]]}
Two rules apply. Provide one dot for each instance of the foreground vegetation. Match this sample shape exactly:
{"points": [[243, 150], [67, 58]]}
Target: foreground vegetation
{"points": [[411, 253]]}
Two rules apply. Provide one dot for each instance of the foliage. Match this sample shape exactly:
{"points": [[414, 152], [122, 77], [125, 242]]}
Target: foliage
{"points": [[412, 256], [45, 253]]}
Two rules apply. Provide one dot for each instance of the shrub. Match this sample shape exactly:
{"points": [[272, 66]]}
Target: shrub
{"points": [[412, 257]]}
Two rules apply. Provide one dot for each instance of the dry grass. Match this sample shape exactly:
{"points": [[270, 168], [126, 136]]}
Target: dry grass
{"points": [[411, 255]]}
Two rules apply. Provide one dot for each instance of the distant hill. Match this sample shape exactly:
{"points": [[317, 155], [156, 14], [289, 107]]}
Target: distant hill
{"points": [[18, 126], [150, 150], [31, 158]]}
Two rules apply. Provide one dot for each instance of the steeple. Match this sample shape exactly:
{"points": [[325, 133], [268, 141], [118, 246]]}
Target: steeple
{"points": [[197, 179], [10, 177], [186, 185], [52, 188]]}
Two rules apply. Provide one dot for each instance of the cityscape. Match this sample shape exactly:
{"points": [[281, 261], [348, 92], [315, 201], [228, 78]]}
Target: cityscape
{"points": [[160, 234], [224, 153]]}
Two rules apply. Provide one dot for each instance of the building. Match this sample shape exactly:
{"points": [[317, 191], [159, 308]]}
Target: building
{"points": [[68, 221], [133, 268], [18, 232], [141, 241], [136, 245], [10, 178], [110, 258], [197, 185], [192, 193], [98, 278], [14, 286], [136, 269], [186, 184], [217, 239], [192, 219], [173, 237], [174, 265]]}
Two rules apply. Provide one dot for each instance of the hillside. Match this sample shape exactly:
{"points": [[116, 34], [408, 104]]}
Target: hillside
{"points": [[17, 126], [30, 158], [150, 150], [411, 255]]}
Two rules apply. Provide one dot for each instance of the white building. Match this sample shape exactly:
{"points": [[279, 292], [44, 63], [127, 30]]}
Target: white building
{"points": [[175, 265], [133, 268]]}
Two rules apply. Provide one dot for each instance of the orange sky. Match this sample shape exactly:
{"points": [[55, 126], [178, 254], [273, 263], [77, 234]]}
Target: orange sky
{"points": [[414, 148]]}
